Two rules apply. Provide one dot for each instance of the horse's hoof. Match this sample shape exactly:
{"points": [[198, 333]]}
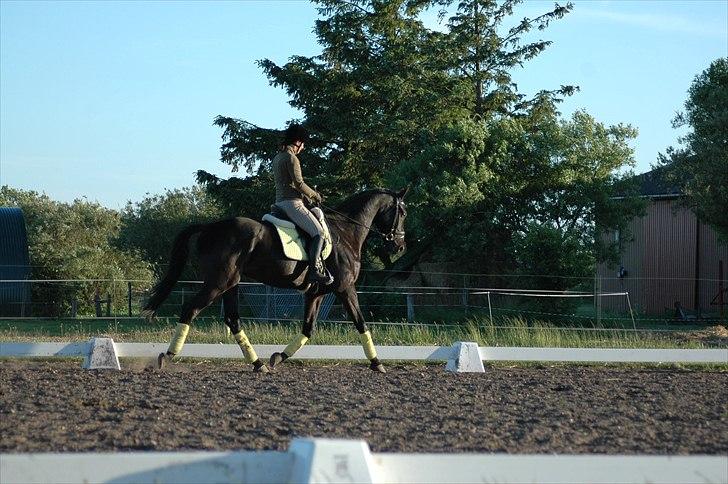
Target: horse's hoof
{"points": [[259, 367], [275, 359], [378, 367], [162, 360]]}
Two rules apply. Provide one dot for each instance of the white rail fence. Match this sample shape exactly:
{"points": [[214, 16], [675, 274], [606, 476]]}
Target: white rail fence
{"points": [[328, 460], [109, 349], [325, 460]]}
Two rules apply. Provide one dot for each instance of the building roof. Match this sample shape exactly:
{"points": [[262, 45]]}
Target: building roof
{"points": [[656, 183]]}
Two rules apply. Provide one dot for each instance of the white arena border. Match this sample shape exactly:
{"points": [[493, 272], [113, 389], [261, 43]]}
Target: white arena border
{"points": [[355, 352], [331, 460]]}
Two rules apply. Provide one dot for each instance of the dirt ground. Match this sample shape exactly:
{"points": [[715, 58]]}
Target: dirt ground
{"points": [[57, 406]]}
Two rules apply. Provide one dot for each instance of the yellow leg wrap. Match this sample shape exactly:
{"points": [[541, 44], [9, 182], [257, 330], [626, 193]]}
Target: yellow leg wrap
{"points": [[368, 345], [295, 344], [248, 351], [178, 340]]}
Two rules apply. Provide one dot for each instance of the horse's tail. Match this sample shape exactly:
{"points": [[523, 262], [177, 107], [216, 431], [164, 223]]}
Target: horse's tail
{"points": [[177, 261]]}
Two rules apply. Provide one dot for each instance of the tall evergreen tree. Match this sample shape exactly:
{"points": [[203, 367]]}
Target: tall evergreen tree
{"points": [[390, 102]]}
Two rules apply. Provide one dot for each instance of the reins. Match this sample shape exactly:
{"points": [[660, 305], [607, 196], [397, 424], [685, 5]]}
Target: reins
{"points": [[394, 233]]}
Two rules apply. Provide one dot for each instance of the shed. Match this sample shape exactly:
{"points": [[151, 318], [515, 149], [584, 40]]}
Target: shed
{"points": [[672, 260], [14, 263]]}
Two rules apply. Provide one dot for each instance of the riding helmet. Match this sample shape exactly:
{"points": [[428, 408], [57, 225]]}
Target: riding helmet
{"points": [[295, 132]]}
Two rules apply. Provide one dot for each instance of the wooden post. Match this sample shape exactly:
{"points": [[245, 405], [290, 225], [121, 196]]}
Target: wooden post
{"points": [[74, 307], [696, 289], [97, 304], [410, 308], [596, 317], [721, 290], [108, 305], [128, 293]]}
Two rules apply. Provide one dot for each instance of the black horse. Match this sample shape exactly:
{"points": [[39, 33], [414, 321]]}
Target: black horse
{"points": [[239, 246]]}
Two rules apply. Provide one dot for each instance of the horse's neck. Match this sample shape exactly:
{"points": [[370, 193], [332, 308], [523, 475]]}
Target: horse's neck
{"points": [[364, 217]]}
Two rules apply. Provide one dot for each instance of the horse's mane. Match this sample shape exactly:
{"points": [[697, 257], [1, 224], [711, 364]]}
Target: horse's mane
{"points": [[357, 200]]}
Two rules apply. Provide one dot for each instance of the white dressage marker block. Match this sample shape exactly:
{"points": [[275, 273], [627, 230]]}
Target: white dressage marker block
{"points": [[101, 355], [331, 460], [465, 358]]}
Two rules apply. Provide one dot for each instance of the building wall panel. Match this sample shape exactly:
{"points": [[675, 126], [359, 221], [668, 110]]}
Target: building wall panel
{"points": [[712, 250], [661, 263]]}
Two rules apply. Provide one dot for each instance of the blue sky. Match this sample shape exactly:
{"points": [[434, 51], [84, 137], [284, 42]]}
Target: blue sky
{"points": [[112, 100]]}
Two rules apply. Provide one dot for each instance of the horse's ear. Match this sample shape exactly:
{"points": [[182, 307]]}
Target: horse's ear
{"points": [[403, 192]]}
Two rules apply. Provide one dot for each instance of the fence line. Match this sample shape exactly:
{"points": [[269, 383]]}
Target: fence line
{"points": [[374, 299], [334, 460], [397, 353]]}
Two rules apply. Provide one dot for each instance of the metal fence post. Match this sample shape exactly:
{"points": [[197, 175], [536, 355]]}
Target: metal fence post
{"points": [[410, 308], [465, 293], [97, 304], [599, 300], [128, 292], [490, 309]]}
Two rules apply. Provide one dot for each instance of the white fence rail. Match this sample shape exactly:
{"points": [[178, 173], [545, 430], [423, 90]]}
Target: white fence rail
{"points": [[346, 352], [328, 460]]}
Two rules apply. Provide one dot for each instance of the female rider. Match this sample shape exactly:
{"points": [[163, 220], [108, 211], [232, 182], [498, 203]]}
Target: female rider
{"points": [[290, 191]]}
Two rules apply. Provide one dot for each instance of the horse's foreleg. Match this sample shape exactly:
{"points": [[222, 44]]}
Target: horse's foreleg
{"points": [[350, 300], [232, 320], [312, 306]]}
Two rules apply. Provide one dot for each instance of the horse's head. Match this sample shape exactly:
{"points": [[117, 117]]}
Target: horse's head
{"points": [[390, 221]]}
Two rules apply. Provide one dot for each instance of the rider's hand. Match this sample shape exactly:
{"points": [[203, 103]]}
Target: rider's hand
{"points": [[317, 198]]}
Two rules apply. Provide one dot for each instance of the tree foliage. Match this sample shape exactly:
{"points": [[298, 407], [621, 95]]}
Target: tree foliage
{"points": [[391, 102], [148, 227], [701, 166], [74, 241]]}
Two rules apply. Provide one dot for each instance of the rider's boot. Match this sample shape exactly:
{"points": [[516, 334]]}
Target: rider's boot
{"points": [[316, 269]]}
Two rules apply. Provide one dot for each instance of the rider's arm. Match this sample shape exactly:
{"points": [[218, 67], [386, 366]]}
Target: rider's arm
{"points": [[294, 170]]}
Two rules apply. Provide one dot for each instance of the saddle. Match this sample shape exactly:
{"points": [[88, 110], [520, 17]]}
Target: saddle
{"points": [[293, 239]]}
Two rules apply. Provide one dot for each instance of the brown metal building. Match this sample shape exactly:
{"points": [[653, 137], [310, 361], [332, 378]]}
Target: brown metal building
{"points": [[673, 258]]}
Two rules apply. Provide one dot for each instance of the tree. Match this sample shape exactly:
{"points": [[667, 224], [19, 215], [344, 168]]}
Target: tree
{"points": [[390, 102], [149, 227], [701, 166], [74, 241], [500, 181]]}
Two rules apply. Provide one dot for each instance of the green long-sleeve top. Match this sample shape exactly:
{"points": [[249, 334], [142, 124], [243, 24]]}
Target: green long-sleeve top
{"points": [[288, 177]]}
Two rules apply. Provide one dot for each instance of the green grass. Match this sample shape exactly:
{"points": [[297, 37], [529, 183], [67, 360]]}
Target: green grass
{"points": [[506, 332]]}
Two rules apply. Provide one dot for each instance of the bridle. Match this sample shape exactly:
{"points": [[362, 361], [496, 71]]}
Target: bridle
{"points": [[395, 234], [390, 236]]}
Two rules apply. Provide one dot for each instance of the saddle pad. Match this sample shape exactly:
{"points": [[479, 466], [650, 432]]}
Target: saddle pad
{"points": [[293, 245]]}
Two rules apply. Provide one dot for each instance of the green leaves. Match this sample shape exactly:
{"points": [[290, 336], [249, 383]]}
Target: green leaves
{"points": [[390, 102], [148, 227], [701, 167], [74, 241]]}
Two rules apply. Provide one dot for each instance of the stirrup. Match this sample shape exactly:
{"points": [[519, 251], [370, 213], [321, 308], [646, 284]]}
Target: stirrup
{"points": [[316, 277]]}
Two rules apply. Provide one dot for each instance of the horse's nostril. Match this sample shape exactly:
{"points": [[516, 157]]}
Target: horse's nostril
{"points": [[400, 248]]}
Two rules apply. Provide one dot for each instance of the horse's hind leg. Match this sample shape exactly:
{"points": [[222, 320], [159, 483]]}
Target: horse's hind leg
{"points": [[232, 320], [311, 310], [191, 308]]}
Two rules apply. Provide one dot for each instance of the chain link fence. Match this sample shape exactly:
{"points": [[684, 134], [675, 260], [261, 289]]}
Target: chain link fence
{"points": [[422, 298]]}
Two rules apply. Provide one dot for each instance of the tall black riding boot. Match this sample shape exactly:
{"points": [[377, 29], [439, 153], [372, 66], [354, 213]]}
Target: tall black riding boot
{"points": [[316, 270]]}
